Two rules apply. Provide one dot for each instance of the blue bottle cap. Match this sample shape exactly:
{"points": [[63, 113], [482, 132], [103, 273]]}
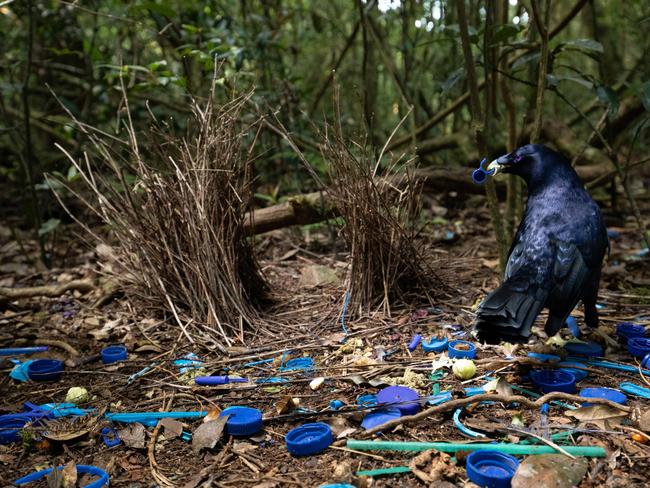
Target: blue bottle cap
{"points": [[114, 354], [461, 350], [10, 427], [309, 439], [586, 349], [606, 393], [243, 421], [625, 330], [574, 368], [546, 358], [548, 380], [417, 338], [491, 468], [638, 346], [379, 417], [572, 324], [45, 370], [368, 400], [436, 344], [401, 397]]}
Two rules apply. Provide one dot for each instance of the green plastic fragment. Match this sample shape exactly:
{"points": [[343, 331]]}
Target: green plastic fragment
{"points": [[507, 448], [382, 471]]}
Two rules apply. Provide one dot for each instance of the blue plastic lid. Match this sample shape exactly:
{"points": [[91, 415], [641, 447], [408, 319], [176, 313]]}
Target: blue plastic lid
{"points": [[436, 344], [461, 350], [103, 479], [625, 330], [550, 358], [309, 439], [114, 354], [572, 324], [645, 363], [45, 370], [243, 421], [368, 400], [491, 468], [548, 380], [586, 349], [606, 393], [638, 346], [405, 399], [298, 364], [379, 417], [573, 367], [10, 427]]}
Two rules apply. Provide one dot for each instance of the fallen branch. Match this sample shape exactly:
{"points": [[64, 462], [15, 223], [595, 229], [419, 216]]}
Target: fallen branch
{"points": [[492, 397], [83, 286]]}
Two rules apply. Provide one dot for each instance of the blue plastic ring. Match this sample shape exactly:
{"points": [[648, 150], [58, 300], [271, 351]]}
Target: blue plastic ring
{"points": [[82, 469], [45, 370], [114, 354], [549, 380], [461, 350]]}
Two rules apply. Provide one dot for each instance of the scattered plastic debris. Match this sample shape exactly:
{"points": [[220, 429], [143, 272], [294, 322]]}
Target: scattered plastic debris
{"points": [[309, 439]]}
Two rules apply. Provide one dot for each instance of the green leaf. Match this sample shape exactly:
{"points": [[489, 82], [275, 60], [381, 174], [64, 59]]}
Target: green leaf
{"points": [[48, 226], [553, 80], [158, 8], [643, 93], [585, 45], [73, 174], [505, 31], [608, 97], [525, 59], [453, 78]]}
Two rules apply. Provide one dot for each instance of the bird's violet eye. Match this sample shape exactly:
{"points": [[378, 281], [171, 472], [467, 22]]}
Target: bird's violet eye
{"points": [[518, 158]]}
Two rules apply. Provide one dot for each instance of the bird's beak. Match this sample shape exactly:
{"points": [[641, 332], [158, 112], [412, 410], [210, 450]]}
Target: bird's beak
{"points": [[499, 164]]}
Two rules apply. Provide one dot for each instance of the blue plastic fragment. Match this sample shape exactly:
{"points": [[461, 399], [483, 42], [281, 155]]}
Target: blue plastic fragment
{"points": [[548, 380], [20, 370], [129, 417], [380, 417], [110, 437], [626, 330], [16, 351], [309, 439], [417, 338], [81, 469], [635, 390], [436, 344], [297, 364], [402, 397], [584, 349], [573, 367], [572, 324], [114, 354], [480, 175], [645, 363], [638, 347], [613, 234], [606, 393], [439, 398], [272, 379], [336, 404], [465, 430], [368, 400], [45, 370]]}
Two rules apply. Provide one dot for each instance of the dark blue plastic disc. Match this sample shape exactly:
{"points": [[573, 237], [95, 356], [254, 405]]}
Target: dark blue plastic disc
{"points": [[626, 330], [379, 417], [436, 344], [243, 421], [45, 370], [461, 350], [606, 393], [491, 468], [548, 380], [638, 346], [114, 354], [586, 349], [309, 439], [406, 399]]}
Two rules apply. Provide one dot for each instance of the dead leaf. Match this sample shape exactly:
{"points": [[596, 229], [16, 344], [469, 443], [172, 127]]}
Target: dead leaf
{"points": [[602, 416], [208, 434], [69, 473], [550, 471], [644, 421], [55, 479], [212, 415], [284, 405], [66, 435], [503, 388], [133, 436], [173, 428]]}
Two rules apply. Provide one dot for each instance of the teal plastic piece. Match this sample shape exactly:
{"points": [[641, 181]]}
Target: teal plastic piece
{"points": [[465, 430], [636, 390], [383, 471], [506, 448], [143, 417], [618, 367]]}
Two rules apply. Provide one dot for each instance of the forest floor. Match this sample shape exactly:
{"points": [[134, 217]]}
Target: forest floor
{"points": [[306, 267]]}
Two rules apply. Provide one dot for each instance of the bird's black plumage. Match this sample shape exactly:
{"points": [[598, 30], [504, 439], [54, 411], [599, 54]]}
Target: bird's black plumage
{"points": [[556, 254]]}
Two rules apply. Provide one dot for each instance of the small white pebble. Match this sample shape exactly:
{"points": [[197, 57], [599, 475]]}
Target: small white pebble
{"points": [[316, 383]]}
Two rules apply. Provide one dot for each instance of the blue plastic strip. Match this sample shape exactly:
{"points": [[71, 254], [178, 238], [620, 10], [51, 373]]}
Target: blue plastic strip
{"points": [[345, 309], [634, 389], [82, 469], [468, 432], [15, 351]]}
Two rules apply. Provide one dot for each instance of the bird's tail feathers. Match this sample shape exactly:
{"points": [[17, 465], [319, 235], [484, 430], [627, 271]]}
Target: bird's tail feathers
{"points": [[507, 314]]}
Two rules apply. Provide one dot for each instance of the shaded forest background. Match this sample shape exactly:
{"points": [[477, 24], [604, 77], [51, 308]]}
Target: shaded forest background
{"points": [[389, 61]]}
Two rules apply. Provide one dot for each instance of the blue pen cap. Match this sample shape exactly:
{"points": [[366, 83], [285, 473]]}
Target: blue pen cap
{"points": [[625, 330], [491, 468], [404, 398], [45, 370], [606, 393], [309, 439], [114, 354], [548, 380], [436, 344], [461, 350], [584, 349], [415, 342], [243, 421], [638, 346]]}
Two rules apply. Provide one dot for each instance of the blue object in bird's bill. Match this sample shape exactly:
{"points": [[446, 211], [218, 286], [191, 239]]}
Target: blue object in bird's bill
{"points": [[479, 175], [556, 255]]}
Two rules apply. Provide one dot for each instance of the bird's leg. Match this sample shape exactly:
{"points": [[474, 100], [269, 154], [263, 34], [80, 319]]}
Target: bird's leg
{"points": [[589, 301], [553, 324]]}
